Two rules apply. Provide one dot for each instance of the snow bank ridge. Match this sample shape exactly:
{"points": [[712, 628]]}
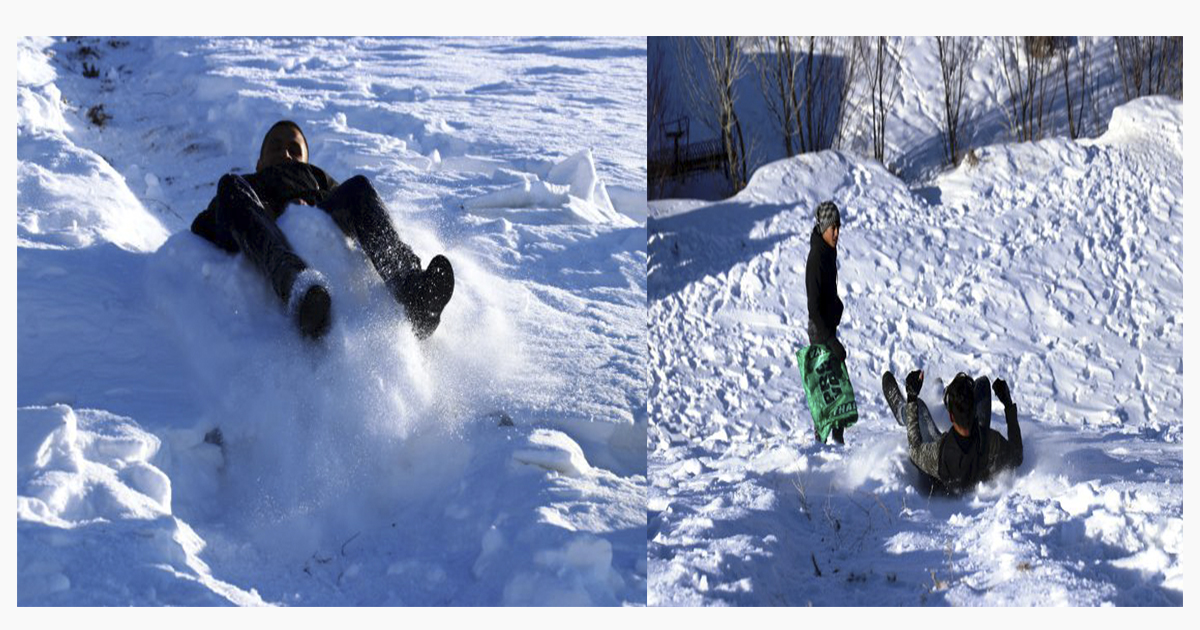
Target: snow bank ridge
{"points": [[1151, 118], [54, 174]]}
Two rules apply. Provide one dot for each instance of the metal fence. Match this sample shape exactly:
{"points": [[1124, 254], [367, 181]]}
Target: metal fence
{"points": [[682, 159]]}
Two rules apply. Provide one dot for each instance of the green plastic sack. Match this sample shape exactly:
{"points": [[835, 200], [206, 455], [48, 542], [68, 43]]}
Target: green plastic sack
{"points": [[828, 389]]}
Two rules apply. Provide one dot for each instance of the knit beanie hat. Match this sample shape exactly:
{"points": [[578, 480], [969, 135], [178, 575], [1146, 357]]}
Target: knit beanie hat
{"points": [[827, 216]]}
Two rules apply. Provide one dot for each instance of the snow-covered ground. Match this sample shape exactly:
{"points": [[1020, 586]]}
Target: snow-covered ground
{"points": [[369, 468], [1056, 265]]}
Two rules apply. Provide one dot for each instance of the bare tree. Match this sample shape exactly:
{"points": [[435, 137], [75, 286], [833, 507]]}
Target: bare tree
{"points": [[658, 86], [1078, 84], [1026, 64], [1150, 65], [880, 59], [826, 77], [711, 88], [956, 57], [778, 67]]}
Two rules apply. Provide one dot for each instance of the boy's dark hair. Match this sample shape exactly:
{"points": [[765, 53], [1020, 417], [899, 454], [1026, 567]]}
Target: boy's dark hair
{"points": [[960, 398], [282, 123]]}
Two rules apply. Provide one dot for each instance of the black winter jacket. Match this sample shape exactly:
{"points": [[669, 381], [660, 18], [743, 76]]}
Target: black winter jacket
{"points": [[276, 187], [820, 279], [956, 463]]}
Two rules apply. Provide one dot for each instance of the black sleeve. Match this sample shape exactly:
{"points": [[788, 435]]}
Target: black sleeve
{"points": [[328, 182], [1006, 453], [205, 226], [1016, 449]]}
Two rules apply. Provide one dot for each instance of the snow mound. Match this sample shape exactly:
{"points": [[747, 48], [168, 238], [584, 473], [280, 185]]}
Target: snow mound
{"points": [[49, 212], [571, 188], [85, 481], [553, 450], [1150, 119], [68, 196]]}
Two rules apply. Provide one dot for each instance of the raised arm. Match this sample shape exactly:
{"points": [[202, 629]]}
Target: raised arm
{"points": [[1006, 453]]}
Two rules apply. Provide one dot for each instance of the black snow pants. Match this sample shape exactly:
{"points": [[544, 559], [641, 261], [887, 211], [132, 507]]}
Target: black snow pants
{"points": [[356, 209]]}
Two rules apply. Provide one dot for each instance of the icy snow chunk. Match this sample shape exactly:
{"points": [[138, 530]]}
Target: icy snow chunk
{"points": [[572, 186], [150, 481], [1079, 499], [41, 433], [529, 192], [553, 450], [102, 509], [77, 471], [578, 173]]}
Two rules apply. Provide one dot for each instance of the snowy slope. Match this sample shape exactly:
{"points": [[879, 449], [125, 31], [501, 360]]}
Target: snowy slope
{"points": [[370, 468], [1056, 265]]}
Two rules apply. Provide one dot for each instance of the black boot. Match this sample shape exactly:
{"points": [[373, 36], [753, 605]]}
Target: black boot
{"points": [[309, 304], [424, 294], [838, 436]]}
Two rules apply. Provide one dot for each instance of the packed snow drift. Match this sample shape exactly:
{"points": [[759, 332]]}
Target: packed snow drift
{"points": [[1056, 265], [501, 461]]}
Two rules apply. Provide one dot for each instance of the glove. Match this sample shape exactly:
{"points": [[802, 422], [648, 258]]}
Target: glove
{"points": [[837, 350], [913, 383], [1002, 393]]}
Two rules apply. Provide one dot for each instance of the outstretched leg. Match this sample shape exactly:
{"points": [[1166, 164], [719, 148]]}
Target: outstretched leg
{"points": [[896, 402], [257, 236], [360, 213], [929, 431]]}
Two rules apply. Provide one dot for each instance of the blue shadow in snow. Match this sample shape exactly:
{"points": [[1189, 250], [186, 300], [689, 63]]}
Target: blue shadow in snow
{"points": [[706, 242]]}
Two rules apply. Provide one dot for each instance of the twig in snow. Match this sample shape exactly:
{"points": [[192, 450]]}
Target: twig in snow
{"points": [[798, 482], [886, 512], [834, 523], [348, 541]]}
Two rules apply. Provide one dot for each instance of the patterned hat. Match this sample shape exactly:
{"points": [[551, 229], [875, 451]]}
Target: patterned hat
{"points": [[828, 216]]}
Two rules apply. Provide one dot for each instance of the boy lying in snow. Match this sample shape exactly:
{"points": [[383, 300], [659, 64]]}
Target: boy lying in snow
{"points": [[972, 451], [242, 218]]}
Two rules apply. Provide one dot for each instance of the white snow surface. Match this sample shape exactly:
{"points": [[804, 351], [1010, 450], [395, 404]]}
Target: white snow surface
{"points": [[1056, 265], [369, 468]]}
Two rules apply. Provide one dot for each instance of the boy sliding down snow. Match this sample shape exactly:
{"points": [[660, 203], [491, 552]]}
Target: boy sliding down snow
{"points": [[242, 218], [972, 451]]}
